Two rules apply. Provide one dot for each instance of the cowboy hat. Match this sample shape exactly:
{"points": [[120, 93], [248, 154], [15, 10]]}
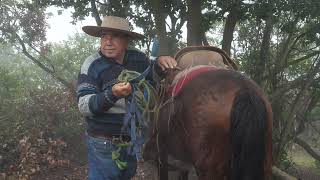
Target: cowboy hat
{"points": [[112, 23]]}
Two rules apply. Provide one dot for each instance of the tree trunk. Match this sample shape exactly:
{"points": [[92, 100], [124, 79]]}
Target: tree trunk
{"points": [[287, 130], [194, 34], [204, 39], [264, 52], [95, 12], [158, 8], [278, 174], [230, 26]]}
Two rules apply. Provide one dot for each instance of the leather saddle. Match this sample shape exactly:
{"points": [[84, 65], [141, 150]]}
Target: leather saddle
{"points": [[204, 55]]}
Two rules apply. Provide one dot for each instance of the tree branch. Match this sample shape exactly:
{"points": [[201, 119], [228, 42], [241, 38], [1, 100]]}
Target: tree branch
{"points": [[183, 18], [313, 127], [26, 53], [307, 147], [44, 57], [281, 175], [288, 50], [295, 83], [315, 53], [101, 3], [95, 12], [288, 127], [284, 88], [42, 66]]}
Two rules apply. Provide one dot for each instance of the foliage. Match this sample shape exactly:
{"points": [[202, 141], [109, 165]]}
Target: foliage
{"points": [[276, 40], [24, 19], [68, 56], [39, 117], [317, 163]]}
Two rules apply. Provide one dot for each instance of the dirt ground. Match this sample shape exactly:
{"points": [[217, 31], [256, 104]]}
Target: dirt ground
{"points": [[145, 171]]}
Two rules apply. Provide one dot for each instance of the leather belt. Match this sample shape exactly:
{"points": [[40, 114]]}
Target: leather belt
{"points": [[110, 137]]}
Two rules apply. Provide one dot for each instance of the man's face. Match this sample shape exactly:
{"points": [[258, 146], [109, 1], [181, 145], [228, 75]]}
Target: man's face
{"points": [[113, 45]]}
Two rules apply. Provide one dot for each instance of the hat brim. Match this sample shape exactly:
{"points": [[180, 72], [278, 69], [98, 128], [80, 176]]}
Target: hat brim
{"points": [[97, 31]]}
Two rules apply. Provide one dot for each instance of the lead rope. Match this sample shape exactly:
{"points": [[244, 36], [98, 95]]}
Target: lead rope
{"points": [[140, 103]]}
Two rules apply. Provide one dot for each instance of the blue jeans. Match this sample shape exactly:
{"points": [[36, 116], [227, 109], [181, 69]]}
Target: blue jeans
{"points": [[101, 165]]}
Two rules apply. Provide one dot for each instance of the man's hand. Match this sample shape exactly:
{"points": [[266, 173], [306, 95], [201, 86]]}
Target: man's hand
{"points": [[121, 89], [166, 62]]}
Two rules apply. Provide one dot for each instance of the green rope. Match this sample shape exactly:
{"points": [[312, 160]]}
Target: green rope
{"points": [[146, 105], [115, 155]]}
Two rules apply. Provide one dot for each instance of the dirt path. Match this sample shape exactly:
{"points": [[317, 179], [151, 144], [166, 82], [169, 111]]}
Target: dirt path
{"points": [[145, 171]]}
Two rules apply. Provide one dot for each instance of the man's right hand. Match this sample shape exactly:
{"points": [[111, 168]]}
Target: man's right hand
{"points": [[166, 62], [121, 89]]}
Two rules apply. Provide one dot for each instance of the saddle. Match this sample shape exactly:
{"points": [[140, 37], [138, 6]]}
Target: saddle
{"points": [[204, 55], [195, 60]]}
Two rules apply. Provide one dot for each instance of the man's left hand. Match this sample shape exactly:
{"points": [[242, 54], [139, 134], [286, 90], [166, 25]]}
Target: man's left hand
{"points": [[166, 62]]}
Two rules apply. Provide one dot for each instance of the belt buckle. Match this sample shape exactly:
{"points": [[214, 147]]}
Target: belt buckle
{"points": [[116, 140]]}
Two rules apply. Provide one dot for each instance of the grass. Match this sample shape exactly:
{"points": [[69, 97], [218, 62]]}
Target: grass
{"points": [[301, 158]]}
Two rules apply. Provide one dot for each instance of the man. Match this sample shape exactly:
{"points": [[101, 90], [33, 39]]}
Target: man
{"points": [[102, 100]]}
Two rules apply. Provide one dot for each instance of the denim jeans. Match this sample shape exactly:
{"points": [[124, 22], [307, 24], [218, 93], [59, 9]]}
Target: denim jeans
{"points": [[101, 165]]}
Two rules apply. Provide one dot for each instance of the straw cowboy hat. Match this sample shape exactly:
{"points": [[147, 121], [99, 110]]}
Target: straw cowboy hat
{"points": [[112, 23]]}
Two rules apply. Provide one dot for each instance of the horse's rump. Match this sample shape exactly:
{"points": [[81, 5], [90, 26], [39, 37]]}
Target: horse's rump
{"points": [[207, 112], [213, 102]]}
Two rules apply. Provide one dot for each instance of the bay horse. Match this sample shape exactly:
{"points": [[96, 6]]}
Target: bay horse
{"points": [[213, 118]]}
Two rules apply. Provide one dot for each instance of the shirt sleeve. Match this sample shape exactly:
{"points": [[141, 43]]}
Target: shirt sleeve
{"points": [[92, 100]]}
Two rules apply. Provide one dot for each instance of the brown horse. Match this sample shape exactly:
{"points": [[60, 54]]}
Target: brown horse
{"points": [[217, 120]]}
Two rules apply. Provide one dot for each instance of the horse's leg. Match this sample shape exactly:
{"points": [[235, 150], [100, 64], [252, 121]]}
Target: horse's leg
{"points": [[183, 175], [163, 157], [162, 142], [163, 167], [212, 161]]}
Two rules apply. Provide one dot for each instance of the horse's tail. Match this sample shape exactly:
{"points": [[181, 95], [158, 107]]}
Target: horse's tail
{"points": [[248, 136]]}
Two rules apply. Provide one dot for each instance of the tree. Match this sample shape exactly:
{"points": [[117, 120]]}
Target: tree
{"points": [[23, 25], [277, 44], [285, 61], [38, 115]]}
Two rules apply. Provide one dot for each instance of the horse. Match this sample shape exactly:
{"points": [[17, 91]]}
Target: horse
{"points": [[212, 118]]}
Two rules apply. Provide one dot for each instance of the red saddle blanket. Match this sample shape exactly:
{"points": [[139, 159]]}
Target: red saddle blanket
{"points": [[182, 78]]}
